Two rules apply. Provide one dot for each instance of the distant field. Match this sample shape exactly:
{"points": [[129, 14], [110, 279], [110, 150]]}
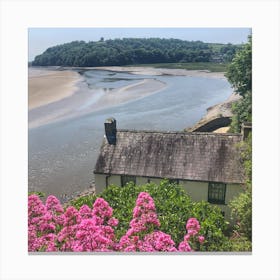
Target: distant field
{"points": [[210, 66]]}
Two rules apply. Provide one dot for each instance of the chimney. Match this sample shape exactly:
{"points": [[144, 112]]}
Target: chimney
{"points": [[246, 128], [111, 130]]}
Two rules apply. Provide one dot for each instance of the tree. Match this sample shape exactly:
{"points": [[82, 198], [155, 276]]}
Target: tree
{"points": [[135, 50], [241, 206], [242, 112], [239, 75], [239, 71]]}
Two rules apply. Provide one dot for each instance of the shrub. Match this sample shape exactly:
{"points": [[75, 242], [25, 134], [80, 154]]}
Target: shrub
{"points": [[241, 206], [50, 228], [174, 208], [83, 200]]}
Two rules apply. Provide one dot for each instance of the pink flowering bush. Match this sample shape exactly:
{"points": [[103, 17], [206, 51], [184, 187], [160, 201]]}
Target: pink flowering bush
{"points": [[51, 228]]}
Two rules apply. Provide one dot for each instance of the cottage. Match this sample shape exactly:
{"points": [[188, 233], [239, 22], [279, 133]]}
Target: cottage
{"points": [[207, 165]]}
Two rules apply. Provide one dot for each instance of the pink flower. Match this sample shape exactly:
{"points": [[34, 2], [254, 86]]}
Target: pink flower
{"points": [[85, 212], [36, 208], [184, 247], [51, 229], [113, 222], [102, 209], [53, 205], [159, 241], [201, 239], [192, 226]]}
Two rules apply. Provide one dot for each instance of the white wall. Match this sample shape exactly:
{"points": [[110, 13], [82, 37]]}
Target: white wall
{"points": [[197, 190], [100, 181], [141, 181]]}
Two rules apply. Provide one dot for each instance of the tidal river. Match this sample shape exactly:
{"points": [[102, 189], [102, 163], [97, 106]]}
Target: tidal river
{"points": [[63, 150]]}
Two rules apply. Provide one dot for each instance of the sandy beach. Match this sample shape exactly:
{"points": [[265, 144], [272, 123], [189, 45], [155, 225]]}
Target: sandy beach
{"points": [[45, 87]]}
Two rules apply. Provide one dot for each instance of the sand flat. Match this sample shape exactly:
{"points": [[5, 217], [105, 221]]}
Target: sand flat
{"points": [[131, 92], [46, 87], [163, 71], [90, 101]]}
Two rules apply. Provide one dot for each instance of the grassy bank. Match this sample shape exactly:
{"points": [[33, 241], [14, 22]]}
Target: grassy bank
{"points": [[209, 66]]}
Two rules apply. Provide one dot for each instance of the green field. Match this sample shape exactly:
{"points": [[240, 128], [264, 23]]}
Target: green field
{"points": [[209, 66]]}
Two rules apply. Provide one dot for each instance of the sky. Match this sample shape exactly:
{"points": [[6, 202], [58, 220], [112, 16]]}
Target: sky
{"points": [[39, 39]]}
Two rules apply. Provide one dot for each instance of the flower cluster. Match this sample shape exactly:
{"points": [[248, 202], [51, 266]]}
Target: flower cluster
{"points": [[51, 228], [142, 236], [193, 228]]}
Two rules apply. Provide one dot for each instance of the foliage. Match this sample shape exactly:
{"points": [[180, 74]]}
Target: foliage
{"points": [[239, 71], [52, 229], [132, 51], [213, 225], [240, 244], [174, 207], [83, 200], [224, 52], [245, 148], [203, 66], [242, 112], [241, 206], [40, 194], [239, 74]]}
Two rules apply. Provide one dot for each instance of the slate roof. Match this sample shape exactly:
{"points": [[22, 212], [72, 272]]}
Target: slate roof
{"points": [[192, 156]]}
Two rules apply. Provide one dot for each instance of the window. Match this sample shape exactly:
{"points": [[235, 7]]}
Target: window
{"points": [[126, 179], [173, 181], [216, 193]]}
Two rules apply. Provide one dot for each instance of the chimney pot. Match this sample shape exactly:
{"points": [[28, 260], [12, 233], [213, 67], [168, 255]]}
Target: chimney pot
{"points": [[111, 131]]}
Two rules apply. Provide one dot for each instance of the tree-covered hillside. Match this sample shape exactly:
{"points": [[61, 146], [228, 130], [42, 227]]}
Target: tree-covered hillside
{"points": [[130, 51]]}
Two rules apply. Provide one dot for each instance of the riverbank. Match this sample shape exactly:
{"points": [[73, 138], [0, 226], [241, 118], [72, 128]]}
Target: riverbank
{"points": [[47, 86], [217, 112], [221, 110]]}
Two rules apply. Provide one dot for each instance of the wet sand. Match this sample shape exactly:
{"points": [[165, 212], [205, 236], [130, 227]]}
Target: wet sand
{"points": [[82, 103], [163, 71], [130, 92], [45, 87]]}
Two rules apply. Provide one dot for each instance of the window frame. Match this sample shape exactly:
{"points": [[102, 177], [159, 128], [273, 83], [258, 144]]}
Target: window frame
{"points": [[174, 181], [127, 178], [221, 193]]}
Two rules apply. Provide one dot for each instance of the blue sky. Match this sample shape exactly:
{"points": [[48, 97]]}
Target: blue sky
{"points": [[39, 39]]}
